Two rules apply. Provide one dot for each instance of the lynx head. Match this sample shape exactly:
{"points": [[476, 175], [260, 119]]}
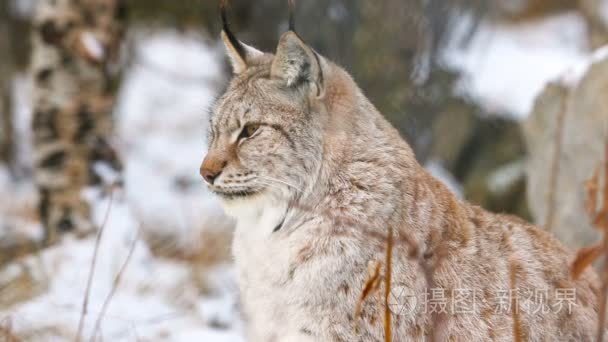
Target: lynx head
{"points": [[266, 135]]}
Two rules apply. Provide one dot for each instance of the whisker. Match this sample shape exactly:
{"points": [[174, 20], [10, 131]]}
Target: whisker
{"points": [[280, 181], [267, 183]]}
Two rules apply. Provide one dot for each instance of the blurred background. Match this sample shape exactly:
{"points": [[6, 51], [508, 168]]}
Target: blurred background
{"points": [[107, 231]]}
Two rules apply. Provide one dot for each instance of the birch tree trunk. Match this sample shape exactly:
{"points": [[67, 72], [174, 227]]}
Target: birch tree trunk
{"points": [[74, 44]]}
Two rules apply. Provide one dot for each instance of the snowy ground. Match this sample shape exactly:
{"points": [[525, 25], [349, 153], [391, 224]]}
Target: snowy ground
{"points": [[178, 284]]}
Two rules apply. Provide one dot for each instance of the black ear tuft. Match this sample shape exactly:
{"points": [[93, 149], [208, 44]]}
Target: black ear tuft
{"points": [[241, 55], [240, 49], [292, 21]]}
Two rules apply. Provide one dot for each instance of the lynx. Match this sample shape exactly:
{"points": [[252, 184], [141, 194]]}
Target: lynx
{"points": [[316, 177]]}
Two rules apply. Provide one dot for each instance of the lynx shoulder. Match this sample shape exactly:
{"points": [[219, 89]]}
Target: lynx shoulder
{"points": [[316, 177]]}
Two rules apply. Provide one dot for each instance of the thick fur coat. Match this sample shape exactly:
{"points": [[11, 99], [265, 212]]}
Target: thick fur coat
{"points": [[316, 177]]}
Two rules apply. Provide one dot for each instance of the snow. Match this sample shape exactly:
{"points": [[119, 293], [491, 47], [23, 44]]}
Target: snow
{"points": [[575, 73], [151, 298], [506, 65], [436, 169], [163, 129], [161, 124]]}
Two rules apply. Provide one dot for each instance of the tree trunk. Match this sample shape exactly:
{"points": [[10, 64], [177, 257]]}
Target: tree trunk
{"points": [[6, 78], [74, 43], [596, 21]]}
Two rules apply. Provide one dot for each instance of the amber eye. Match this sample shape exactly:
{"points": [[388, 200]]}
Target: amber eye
{"points": [[248, 131]]}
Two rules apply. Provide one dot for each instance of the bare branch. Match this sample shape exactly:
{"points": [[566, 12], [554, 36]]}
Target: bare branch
{"points": [[604, 213], [517, 332], [388, 337], [85, 304], [115, 285]]}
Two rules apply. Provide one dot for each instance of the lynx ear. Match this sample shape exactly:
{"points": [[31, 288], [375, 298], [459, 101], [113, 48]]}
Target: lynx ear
{"points": [[241, 55], [296, 63]]}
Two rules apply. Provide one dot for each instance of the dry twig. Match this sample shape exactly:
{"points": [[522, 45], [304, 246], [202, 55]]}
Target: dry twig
{"points": [[85, 304], [603, 214], [584, 258], [517, 332], [388, 337], [115, 285], [371, 285]]}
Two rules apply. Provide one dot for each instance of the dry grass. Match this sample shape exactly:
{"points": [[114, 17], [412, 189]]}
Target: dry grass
{"points": [[210, 246], [21, 216], [372, 284]]}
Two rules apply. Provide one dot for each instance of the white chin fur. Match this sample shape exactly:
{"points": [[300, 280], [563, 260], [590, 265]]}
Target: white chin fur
{"points": [[242, 207], [257, 208]]}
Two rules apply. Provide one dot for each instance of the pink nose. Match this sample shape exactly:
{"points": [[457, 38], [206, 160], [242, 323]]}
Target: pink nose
{"points": [[212, 167], [209, 175]]}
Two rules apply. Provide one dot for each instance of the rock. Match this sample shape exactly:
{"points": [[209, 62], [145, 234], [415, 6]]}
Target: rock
{"points": [[565, 137], [484, 154]]}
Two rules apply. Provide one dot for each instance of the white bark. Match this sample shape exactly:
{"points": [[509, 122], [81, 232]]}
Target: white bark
{"points": [[74, 41]]}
